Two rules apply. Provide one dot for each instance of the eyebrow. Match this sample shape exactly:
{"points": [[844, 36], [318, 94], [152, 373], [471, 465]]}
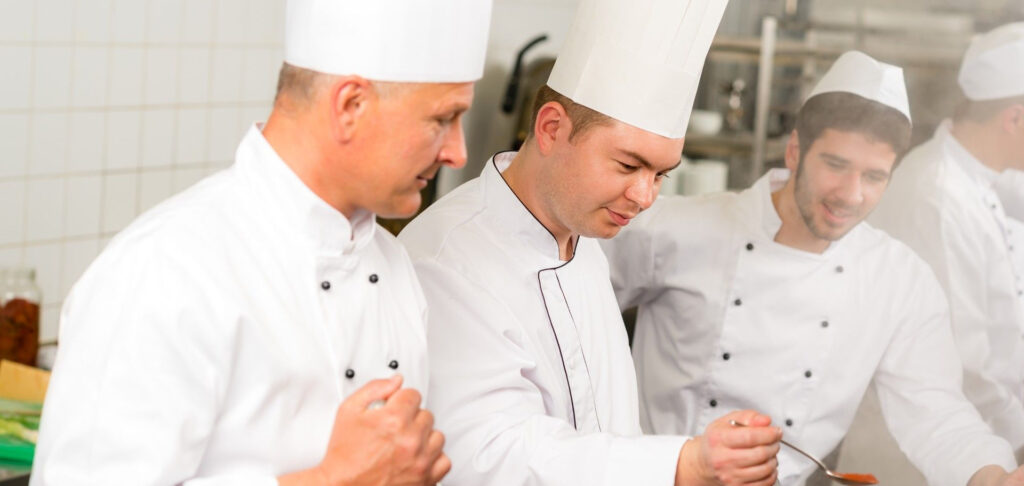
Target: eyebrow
{"points": [[837, 158], [644, 162], [455, 108]]}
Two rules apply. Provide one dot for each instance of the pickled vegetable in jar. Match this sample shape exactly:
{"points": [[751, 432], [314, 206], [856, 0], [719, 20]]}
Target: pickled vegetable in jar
{"points": [[19, 315]]}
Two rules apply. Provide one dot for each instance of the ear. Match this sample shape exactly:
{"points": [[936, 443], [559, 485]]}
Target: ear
{"points": [[350, 99], [1013, 119], [551, 126], [793, 151]]}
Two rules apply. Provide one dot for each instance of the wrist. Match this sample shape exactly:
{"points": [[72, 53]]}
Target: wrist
{"points": [[691, 469], [991, 475], [308, 477]]}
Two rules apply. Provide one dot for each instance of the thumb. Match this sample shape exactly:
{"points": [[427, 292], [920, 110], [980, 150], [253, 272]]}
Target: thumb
{"points": [[1017, 476], [751, 418], [379, 389]]}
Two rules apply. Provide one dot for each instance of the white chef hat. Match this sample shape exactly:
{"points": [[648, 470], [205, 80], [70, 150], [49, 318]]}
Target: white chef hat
{"points": [[638, 61], [389, 40], [860, 74], [993, 66]]}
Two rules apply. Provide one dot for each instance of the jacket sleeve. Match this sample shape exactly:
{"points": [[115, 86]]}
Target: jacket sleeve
{"points": [[137, 382], [989, 345], [493, 415], [919, 388]]}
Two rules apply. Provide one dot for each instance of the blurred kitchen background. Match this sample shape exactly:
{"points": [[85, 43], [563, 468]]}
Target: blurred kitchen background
{"points": [[108, 107]]}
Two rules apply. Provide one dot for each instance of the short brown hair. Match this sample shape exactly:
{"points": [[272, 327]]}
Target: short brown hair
{"points": [[984, 110], [582, 118], [301, 85], [852, 113]]}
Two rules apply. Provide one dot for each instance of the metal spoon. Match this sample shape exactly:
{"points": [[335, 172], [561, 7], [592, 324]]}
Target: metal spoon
{"points": [[842, 478]]}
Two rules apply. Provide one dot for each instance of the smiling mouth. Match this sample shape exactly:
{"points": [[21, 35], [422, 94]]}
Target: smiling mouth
{"points": [[619, 218], [837, 216]]}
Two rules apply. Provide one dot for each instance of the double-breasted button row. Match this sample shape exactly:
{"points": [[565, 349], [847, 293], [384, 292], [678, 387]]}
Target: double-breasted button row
{"points": [[326, 284], [351, 373]]}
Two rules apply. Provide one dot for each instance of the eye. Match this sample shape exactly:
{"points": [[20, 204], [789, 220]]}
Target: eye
{"points": [[627, 167], [447, 119], [661, 175], [876, 178]]}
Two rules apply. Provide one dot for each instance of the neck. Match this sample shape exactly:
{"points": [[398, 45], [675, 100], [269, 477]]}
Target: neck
{"points": [[981, 141], [794, 232], [522, 176], [296, 140]]}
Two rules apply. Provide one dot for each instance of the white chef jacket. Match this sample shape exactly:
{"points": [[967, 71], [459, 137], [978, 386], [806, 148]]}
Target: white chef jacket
{"points": [[942, 204], [729, 319], [209, 343], [1009, 186], [531, 378]]}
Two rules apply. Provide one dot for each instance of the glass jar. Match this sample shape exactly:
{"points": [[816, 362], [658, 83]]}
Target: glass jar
{"points": [[19, 315]]}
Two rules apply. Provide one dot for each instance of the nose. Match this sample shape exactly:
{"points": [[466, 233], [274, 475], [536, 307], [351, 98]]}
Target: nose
{"points": [[642, 191], [453, 150], [851, 191]]}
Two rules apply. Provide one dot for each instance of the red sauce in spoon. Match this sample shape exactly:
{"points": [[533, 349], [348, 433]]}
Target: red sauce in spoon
{"points": [[860, 478]]}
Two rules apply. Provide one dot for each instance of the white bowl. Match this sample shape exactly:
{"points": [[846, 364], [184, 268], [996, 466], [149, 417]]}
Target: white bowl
{"points": [[705, 122]]}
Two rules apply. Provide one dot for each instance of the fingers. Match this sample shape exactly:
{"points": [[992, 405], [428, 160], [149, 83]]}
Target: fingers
{"points": [[746, 437], [424, 422], [405, 402], [750, 418], [372, 391], [440, 468]]}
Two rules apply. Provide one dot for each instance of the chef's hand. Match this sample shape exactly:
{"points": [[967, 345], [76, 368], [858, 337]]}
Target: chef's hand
{"points": [[997, 476], [394, 445], [729, 455]]}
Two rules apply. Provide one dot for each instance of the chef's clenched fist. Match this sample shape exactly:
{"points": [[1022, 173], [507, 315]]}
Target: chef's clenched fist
{"points": [[729, 455], [392, 445]]}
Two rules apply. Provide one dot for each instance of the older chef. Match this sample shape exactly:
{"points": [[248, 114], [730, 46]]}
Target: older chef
{"points": [[943, 205], [530, 374], [780, 298], [221, 337]]}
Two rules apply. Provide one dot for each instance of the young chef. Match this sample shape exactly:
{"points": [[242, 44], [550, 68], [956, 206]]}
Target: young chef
{"points": [[531, 378], [780, 298], [243, 332], [942, 203]]}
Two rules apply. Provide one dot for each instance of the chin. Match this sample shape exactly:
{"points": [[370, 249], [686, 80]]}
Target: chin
{"points": [[402, 208], [603, 232]]}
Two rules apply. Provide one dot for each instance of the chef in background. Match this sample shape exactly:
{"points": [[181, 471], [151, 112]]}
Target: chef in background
{"points": [[1009, 186], [943, 204], [531, 378], [781, 298], [260, 328]]}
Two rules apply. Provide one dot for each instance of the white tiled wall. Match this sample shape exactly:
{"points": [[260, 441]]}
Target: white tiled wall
{"points": [[107, 107], [513, 24]]}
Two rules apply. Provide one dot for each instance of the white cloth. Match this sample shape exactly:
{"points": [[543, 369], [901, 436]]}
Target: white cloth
{"points": [[638, 61], [531, 378], [992, 67], [729, 319], [201, 348], [1009, 186], [417, 41], [860, 74], [941, 203]]}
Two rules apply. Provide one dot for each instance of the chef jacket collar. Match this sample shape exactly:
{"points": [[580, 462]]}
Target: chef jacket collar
{"points": [[327, 230], [512, 217], [980, 172], [767, 218]]}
